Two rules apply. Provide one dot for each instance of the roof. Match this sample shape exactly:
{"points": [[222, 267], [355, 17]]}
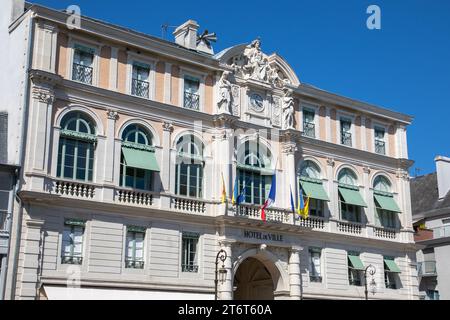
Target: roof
{"points": [[424, 195]]}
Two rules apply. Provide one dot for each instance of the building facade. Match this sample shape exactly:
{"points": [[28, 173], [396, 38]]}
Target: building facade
{"points": [[131, 140], [430, 196]]}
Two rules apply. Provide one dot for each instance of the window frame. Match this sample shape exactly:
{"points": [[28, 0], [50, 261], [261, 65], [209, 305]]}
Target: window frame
{"points": [[312, 109], [72, 224], [201, 76], [132, 59], [344, 118], [355, 276], [81, 41], [135, 263], [313, 277], [187, 266]]}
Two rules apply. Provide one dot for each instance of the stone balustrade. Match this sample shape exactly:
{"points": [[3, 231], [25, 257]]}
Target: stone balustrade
{"points": [[349, 227], [188, 205], [74, 189], [385, 233], [134, 197]]}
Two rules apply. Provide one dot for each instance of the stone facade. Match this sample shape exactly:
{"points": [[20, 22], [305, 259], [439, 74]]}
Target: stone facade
{"points": [[260, 101]]}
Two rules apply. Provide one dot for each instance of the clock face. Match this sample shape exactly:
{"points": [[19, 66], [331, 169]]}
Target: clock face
{"points": [[256, 102]]}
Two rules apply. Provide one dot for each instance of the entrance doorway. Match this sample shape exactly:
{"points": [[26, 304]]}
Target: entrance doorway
{"points": [[253, 281]]}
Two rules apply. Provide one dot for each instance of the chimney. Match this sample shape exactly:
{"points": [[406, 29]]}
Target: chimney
{"points": [[443, 175], [186, 34]]}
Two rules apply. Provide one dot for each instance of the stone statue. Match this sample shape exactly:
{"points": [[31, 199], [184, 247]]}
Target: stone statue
{"points": [[225, 96], [288, 110], [256, 63]]}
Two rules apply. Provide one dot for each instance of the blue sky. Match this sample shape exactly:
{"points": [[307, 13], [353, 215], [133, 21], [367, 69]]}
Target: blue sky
{"points": [[405, 66]]}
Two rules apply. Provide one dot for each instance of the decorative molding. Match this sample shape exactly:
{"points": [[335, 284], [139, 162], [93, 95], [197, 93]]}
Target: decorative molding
{"points": [[224, 120], [78, 135], [401, 174], [366, 170], [330, 162], [289, 148], [138, 146], [112, 114], [44, 95], [167, 126]]}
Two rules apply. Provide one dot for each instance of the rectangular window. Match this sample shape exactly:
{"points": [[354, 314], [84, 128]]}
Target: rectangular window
{"points": [[346, 134], [309, 126], [389, 280], [387, 219], [72, 242], [432, 295], [2, 220], [191, 93], [140, 80], [256, 186], [189, 178], [189, 259], [355, 269], [349, 212], [315, 274], [83, 60], [316, 207], [380, 144], [135, 247]]}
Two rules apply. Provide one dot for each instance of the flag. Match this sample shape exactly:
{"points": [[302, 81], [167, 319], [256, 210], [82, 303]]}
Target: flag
{"points": [[292, 201], [224, 191], [300, 203], [235, 191], [271, 199], [306, 209], [238, 198]]}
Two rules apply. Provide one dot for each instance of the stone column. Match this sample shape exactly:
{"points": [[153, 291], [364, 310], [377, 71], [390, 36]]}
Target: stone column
{"points": [[39, 128], [405, 204], [31, 253], [166, 164], [294, 273], [370, 214], [225, 290], [109, 156], [332, 190], [289, 180]]}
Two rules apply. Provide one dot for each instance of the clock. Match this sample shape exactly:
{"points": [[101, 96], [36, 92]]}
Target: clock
{"points": [[256, 102]]}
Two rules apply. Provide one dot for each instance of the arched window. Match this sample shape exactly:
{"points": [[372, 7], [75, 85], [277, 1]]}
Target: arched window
{"points": [[311, 186], [350, 199], [138, 161], [76, 147], [309, 170], [189, 167], [382, 184], [254, 173], [347, 176], [385, 205]]}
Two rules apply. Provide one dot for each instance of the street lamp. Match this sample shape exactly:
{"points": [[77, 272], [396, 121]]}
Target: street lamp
{"points": [[371, 269], [222, 272]]}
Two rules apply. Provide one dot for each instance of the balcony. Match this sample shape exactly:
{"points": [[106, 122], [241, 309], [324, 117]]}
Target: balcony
{"points": [[346, 138], [426, 269], [71, 260], [349, 227], [188, 205], [134, 197], [140, 88], [191, 100], [385, 233], [82, 73], [380, 147], [189, 268], [252, 211], [309, 129], [134, 264], [74, 189], [312, 222]]}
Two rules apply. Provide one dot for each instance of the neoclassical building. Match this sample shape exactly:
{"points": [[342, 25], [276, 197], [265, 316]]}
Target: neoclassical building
{"points": [[125, 139]]}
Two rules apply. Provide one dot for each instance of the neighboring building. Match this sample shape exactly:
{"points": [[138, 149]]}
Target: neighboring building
{"points": [[127, 138], [430, 196]]}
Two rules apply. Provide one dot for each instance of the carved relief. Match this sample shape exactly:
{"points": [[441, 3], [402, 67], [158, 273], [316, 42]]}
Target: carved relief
{"points": [[235, 99], [43, 95], [112, 114], [276, 111], [167, 126], [225, 95]]}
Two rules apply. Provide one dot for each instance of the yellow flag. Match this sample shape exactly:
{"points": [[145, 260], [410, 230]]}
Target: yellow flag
{"points": [[224, 192], [306, 209]]}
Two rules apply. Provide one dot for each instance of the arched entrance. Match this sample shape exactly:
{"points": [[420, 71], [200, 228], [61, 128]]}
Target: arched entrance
{"points": [[253, 281]]}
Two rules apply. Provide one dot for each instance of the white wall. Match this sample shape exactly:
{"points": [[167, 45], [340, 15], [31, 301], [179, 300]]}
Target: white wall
{"points": [[12, 76]]}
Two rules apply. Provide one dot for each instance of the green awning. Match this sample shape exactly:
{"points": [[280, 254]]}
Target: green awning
{"points": [[140, 159], [352, 197], [391, 265], [356, 262], [387, 203], [314, 190]]}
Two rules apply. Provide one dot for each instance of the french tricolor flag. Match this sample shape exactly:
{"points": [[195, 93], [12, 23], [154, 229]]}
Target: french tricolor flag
{"points": [[271, 199]]}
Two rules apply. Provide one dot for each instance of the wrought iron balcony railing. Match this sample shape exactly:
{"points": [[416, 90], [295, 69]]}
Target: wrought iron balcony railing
{"points": [[191, 100], [134, 264], [82, 73], [309, 129], [380, 147], [189, 268], [426, 269], [140, 88], [346, 138], [71, 260]]}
